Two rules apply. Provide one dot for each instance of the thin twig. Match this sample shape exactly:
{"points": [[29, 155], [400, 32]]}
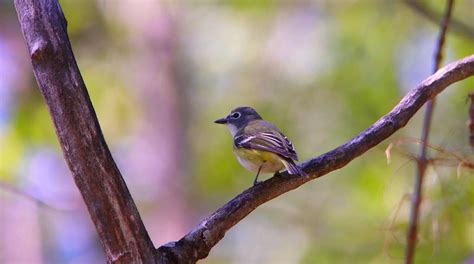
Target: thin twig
{"points": [[28, 196], [422, 160], [456, 26], [110, 204], [199, 241], [449, 157], [471, 119]]}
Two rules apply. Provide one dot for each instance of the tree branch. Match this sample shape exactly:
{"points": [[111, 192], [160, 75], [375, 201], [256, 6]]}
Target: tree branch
{"points": [[112, 209], [110, 205], [197, 243], [456, 25], [422, 161]]}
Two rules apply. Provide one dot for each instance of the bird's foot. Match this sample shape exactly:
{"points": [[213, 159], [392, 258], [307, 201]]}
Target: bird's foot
{"points": [[255, 183]]}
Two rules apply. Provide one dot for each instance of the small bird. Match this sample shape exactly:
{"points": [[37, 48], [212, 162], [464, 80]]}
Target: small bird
{"points": [[258, 144]]}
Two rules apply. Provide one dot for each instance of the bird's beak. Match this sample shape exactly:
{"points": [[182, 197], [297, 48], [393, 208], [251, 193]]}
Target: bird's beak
{"points": [[221, 120]]}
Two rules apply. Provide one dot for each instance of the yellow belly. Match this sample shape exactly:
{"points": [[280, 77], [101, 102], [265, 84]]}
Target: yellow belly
{"points": [[253, 159]]}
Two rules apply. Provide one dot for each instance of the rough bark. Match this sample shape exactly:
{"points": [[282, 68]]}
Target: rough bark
{"points": [[197, 243], [111, 207], [103, 189]]}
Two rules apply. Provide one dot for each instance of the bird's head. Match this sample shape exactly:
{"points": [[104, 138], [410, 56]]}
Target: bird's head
{"points": [[239, 118]]}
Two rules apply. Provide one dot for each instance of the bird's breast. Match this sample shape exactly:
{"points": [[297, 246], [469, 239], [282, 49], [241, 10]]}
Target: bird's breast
{"points": [[253, 159]]}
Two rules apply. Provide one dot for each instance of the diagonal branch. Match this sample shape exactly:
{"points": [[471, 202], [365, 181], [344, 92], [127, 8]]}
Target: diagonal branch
{"points": [[110, 205], [197, 243]]}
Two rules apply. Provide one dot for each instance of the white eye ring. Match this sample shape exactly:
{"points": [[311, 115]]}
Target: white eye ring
{"points": [[235, 115]]}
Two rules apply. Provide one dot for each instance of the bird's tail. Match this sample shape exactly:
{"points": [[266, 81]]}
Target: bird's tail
{"points": [[293, 168]]}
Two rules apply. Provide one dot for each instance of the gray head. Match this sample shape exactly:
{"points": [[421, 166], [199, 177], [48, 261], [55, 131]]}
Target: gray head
{"points": [[238, 118]]}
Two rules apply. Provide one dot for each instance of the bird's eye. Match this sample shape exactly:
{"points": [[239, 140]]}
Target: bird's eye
{"points": [[235, 115]]}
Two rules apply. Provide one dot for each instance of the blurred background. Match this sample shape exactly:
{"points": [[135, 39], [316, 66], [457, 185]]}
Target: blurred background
{"points": [[160, 72]]}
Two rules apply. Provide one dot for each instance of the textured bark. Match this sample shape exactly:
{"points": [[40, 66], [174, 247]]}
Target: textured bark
{"points": [[108, 200], [197, 243], [110, 205]]}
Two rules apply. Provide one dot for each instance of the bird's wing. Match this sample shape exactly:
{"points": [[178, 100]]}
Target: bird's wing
{"points": [[267, 138]]}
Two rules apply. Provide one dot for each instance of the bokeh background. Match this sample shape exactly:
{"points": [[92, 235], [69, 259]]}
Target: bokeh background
{"points": [[160, 72]]}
